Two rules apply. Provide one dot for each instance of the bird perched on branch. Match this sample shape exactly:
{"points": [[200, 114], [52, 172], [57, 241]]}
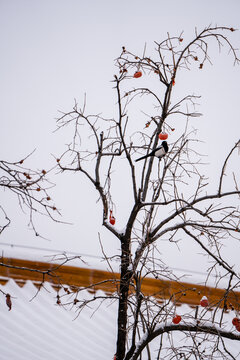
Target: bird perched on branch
{"points": [[159, 152]]}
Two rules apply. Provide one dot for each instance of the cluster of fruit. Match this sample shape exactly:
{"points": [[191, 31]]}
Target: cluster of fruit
{"points": [[203, 302]]}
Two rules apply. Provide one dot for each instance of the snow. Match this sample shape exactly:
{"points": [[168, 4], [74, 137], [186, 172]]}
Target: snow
{"points": [[40, 329], [37, 328]]}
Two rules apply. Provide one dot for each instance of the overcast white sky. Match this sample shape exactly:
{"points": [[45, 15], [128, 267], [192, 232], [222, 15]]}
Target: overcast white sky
{"points": [[53, 51]]}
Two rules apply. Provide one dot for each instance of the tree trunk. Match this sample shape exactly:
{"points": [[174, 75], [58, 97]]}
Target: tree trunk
{"points": [[126, 275]]}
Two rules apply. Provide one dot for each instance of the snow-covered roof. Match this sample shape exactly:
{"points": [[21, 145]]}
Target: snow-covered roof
{"points": [[37, 328]]}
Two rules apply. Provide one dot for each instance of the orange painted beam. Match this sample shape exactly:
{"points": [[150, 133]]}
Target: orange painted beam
{"points": [[180, 292]]}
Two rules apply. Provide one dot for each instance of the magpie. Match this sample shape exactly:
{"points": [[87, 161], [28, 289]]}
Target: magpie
{"points": [[158, 152]]}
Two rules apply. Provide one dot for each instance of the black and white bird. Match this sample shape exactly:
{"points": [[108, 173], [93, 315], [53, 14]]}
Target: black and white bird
{"points": [[159, 152]]}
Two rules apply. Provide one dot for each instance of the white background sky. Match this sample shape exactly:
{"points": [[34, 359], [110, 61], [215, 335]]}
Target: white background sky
{"points": [[53, 51]]}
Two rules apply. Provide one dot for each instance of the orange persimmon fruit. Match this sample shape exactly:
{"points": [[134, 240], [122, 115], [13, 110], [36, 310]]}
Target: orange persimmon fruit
{"points": [[176, 319], [163, 136], [137, 74], [204, 301]]}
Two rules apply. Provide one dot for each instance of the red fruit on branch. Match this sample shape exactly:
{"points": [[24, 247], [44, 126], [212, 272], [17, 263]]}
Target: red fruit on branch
{"points": [[176, 319], [238, 327], [236, 321], [112, 218], [204, 301], [137, 74], [163, 136]]}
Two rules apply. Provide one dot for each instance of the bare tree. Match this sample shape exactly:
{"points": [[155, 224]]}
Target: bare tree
{"points": [[167, 198]]}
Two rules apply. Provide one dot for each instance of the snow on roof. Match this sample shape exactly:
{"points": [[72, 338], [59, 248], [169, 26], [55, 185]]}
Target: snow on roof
{"points": [[37, 328], [40, 329]]}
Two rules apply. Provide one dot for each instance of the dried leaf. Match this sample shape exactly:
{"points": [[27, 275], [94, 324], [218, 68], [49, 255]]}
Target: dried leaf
{"points": [[8, 302]]}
